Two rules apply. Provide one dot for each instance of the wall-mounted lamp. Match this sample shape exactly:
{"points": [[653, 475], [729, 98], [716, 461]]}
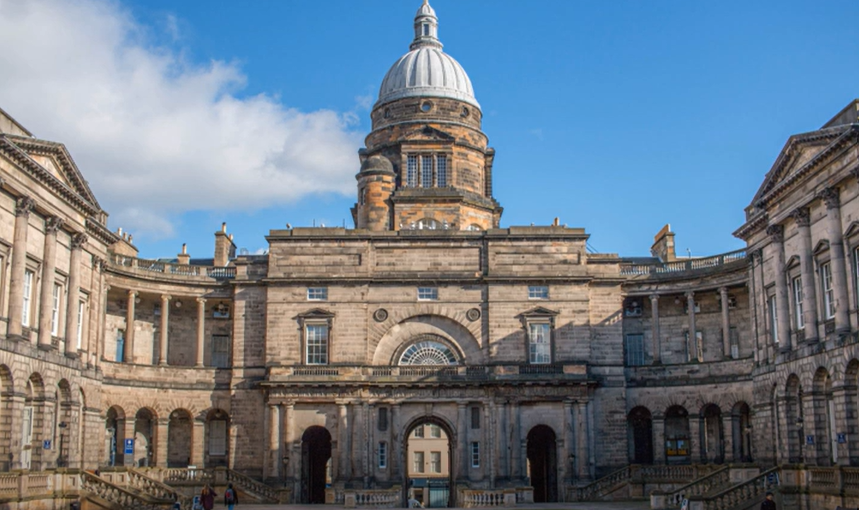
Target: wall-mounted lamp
{"points": [[178, 304]]}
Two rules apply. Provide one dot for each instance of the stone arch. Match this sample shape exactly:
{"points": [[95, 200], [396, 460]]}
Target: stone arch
{"points": [[677, 435], [114, 427], [453, 454], [315, 461], [452, 332], [145, 437], [823, 416], [416, 349], [542, 453], [712, 438], [217, 438], [378, 330], [741, 432], [180, 434], [34, 422], [794, 417]]}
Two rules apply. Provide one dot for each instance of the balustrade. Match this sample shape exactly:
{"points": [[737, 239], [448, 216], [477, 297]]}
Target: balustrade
{"points": [[488, 498], [681, 266], [701, 486], [169, 268], [742, 493], [251, 486]]}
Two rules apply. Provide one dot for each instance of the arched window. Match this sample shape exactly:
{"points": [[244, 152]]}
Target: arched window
{"points": [[428, 224], [428, 352]]}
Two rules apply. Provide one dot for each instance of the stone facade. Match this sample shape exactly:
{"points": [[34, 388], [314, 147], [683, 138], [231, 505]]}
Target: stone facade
{"points": [[545, 365]]}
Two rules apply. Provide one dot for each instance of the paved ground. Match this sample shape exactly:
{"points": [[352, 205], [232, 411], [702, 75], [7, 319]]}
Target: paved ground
{"points": [[625, 505]]}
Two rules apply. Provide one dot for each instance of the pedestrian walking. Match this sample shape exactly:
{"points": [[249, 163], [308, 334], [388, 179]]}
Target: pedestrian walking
{"points": [[231, 499], [768, 503], [207, 498]]}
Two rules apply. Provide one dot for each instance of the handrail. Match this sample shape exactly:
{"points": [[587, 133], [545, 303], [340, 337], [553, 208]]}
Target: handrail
{"points": [[610, 480], [700, 486], [116, 495], [683, 265], [155, 488], [750, 489], [252, 486]]}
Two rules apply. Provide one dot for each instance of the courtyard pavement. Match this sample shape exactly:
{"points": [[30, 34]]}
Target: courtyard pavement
{"points": [[620, 505]]}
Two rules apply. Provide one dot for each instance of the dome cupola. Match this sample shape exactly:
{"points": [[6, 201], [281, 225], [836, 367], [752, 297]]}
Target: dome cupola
{"points": [[426, 70]]}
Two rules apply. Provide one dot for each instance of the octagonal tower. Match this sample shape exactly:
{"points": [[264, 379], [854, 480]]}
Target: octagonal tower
{"points": [[426, 163]]}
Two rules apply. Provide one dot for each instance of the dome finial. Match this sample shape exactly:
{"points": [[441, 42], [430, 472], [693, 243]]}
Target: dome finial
{"points": [[426, 27]]}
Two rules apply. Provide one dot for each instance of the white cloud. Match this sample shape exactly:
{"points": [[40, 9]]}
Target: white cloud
{"points": [[154, 134]]}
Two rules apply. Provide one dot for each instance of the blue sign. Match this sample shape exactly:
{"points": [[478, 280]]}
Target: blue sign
{"points": [[842, 438], [129, 446], [46, 444], [809, 439]]}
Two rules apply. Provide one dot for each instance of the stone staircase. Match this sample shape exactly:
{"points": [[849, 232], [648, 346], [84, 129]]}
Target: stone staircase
{"points": [[746, 495], [715, 481], [107, 495], [636, 481], [250, 487]]}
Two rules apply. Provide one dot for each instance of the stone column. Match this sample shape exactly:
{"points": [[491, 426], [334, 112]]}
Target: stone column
{"points": [[371, 455], [343, 441], [201, 331], [356, 434], [396, 474], [654, 329], [694, 355], [503, 441], [776, 233], [462, 435], [728, 438], [569, 445], [753, 306], [49, 269], [161, 435], [809, 288], [492, 444], [93, 334], [836, 258], [165, 326], [658, 440], [23, 208], [582, 460], [73, 301], [273, 440], [841, 396], [726, 322], [516, 442], [128, 355], [696, 433], [127, 425], [289, 440], [198, 444]]}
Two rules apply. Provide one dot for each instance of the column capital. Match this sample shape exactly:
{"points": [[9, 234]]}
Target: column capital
{"points": [[132, 293], [723, 291], [98, 263], [654, 297], [802, 216], [830, 197], [53, 224], [166, 297], [690, 294], [461, 405], [776, 233], [78, 240], [201, 300], [24, 206]]}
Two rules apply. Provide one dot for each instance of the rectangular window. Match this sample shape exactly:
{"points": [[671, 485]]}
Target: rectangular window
{"points": [[217, 438], [419, 431], [317, 344], [383, 419], [435, 431], [635, 350], [412, 171], [773, 322], [441, 171], [855, 272], [221, 351], [317, 293], [383, 455], [828, 291], [418, 464], [120, 345], [55, 309], [797, 302], [538, 292], [475, 454], [427, 293], [540, 343], [699, 337], [81, 309], [435, 462], [28, 295], [475, 417], [426, 171], [734, 335]]}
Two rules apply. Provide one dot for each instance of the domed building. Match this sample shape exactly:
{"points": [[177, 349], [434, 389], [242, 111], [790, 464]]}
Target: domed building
{"points": [[427, 352]]}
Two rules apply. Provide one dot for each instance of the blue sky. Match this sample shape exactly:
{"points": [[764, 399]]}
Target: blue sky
{"points": [[617, 117]]}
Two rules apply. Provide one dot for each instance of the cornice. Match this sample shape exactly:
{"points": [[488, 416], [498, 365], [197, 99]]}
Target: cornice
{"points": [[752, 226], [100, 232]]}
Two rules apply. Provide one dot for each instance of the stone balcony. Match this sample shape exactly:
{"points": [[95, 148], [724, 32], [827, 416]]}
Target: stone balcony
{"points": [[155, 269], [383, 374]]}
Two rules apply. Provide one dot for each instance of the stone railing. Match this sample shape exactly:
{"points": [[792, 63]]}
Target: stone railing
{"points": [[683, 266], [640, 474], [389, 498], [359, 373], [155, 488], [247, 484], [701, 486], [487, 498], [149, 266], [595, 490], [9, 485], [186, 476], [117, 496], [743, 493]]}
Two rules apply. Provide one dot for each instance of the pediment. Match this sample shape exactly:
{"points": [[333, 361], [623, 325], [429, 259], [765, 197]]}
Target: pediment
{"points": [[821, 247], [315, 313], [852, 229], [427, 133], [539, 312], [792, 262], [55, 160]]}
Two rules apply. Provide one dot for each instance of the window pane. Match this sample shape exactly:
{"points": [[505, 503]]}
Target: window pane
{"points": [[317, 344], [220, 351], [218, 437], [538, 292], [540, 343], [418, 462], [55, 310], [383, 455], [797, 302], [773, 319], [426, 171], [828, 291], [81, 307], [475, 417], [120, 345], [435, 431], [475, 454], [412, 171], [419, 431], [635, 350], [435, 462], [427, 293], [441, 171], [28, 293], [317, 293]]}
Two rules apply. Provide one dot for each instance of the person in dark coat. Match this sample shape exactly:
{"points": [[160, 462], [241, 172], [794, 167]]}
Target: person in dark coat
{"points": [[231, 499], [768, 503], [207, 498]]}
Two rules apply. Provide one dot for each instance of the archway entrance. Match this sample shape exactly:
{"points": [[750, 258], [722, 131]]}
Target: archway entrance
{"points": [[677, 435], [315, 463], [429, 472], [543, 464], [641, 435]]}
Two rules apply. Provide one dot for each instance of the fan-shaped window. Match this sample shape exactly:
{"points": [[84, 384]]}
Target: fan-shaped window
{"points": [[428, 224], [428, 353]]}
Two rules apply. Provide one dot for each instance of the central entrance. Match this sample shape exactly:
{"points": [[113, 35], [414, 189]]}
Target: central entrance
{"points": [[315, 464], [429, 452], [543, 464]]}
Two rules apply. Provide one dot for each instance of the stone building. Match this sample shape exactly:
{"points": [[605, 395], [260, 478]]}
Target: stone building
{"points": [[546, 366]]}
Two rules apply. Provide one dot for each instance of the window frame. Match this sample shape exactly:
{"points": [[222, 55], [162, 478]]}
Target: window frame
{"points": [[27, 297], [541, 348], [382, 457], [772, 315], [323, 344], [224, 339], [419, 431], [427, 293], [475, 418], [798, 300], [119, 356], [427, 174], [538, 292], [56, 301], [827, 290], [411, 171], [475, 454], [699, 336], [317, 293], [442, 175], [418, 466], [639, 355], [435, 462], [435, 432], [82, 308]]}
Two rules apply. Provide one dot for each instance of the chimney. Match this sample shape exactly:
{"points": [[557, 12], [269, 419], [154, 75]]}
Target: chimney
{"points": [[663, 245], [224, 247], [183, 257]]}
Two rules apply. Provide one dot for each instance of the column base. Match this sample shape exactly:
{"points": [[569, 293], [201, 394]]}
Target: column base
{"points": [[46, 347], [72, 355], [16, 338]]}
